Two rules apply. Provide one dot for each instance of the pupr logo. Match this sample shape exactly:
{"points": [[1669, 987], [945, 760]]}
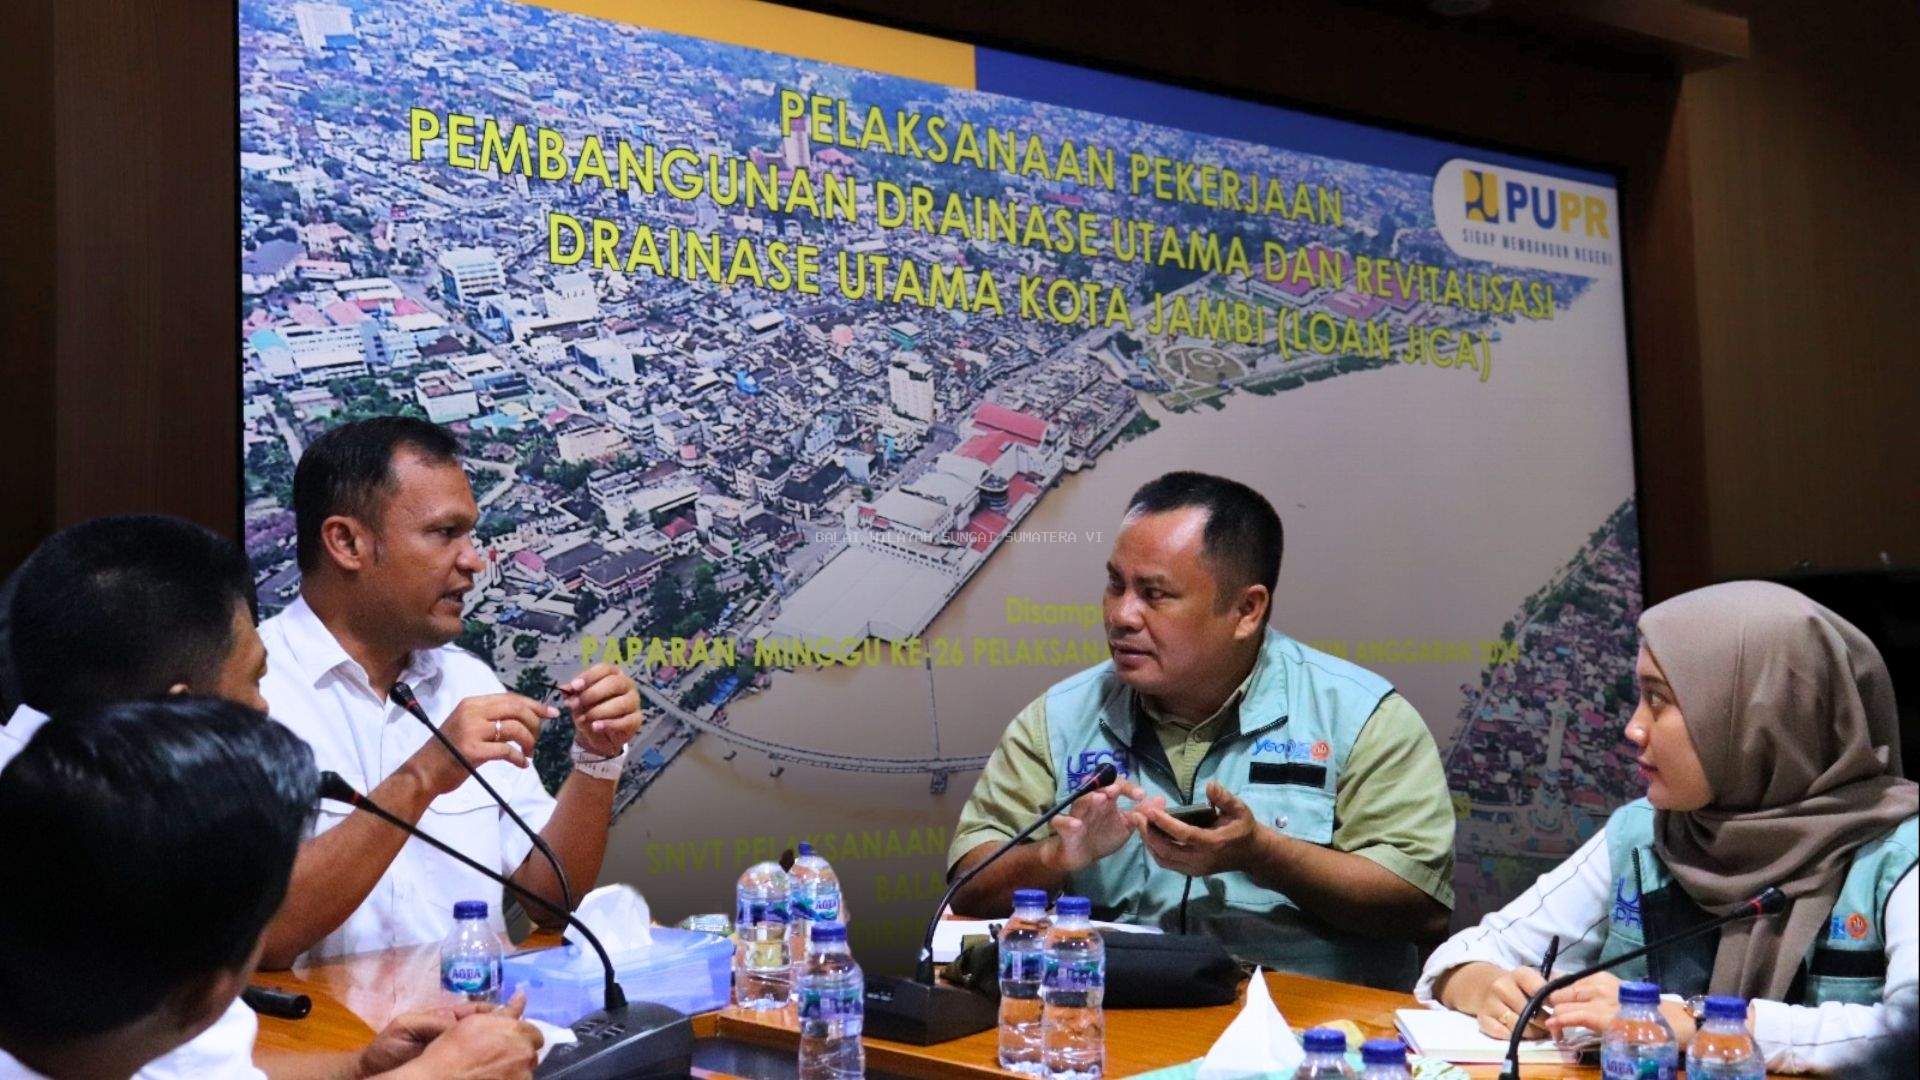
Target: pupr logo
{"points": [[1489, 199], [1482, 195]]}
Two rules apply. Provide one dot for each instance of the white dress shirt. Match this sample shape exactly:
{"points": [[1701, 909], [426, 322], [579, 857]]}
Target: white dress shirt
{"points": [[11, 1069], [223, 1051], [313, 687], [1574, 901], [18, 729]]}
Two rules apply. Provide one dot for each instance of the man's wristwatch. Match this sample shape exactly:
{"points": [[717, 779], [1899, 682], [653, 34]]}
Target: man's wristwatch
{"points": [[600, 768]]}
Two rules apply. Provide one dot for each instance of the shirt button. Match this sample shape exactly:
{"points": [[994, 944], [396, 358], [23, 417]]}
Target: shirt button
{"points": [[1280, 821]]}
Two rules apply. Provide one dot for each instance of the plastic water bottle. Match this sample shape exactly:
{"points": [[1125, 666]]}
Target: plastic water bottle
{"points": [[1723, 1048], [1023, 965], [1326, 1054], [1073, 1029], [1639, 1045], [813, 894], [832, 996], [762, 964], [1383, 1059], [470, 955]]}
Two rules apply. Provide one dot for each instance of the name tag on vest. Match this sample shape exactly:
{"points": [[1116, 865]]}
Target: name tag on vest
{"points": [[1298, 774]]}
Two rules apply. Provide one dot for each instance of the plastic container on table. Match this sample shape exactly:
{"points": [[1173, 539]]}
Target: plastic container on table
{"points": [[683, 969]]}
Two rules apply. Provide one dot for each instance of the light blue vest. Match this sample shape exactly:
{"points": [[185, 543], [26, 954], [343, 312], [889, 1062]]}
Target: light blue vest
{"points": [[1849, 964], [1302, 712]]}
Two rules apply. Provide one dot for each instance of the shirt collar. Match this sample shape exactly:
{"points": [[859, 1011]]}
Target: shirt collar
{"points": [[23, 723], [1229, 707], [317, 653], [1122, 708]]}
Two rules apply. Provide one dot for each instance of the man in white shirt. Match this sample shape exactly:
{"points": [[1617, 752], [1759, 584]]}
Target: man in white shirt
{"points": [[126, 817], [384, 518], [123, 608]]}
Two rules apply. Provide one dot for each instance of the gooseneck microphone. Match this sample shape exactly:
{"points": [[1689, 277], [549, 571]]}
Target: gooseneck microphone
{"points": [[620, 1040], [919, 1010], [1768, 901], [1101, 778], [403, 694]]}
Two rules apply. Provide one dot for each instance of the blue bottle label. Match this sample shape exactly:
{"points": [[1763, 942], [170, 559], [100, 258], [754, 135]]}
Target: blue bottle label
{"points": [[838, 1003], [1022, 965], [1624, 1067], [468, 976], [754, 912], [1080, 974]]}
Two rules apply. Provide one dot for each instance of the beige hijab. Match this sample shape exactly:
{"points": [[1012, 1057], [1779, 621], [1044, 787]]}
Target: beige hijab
{"points": [[1791, 711]]}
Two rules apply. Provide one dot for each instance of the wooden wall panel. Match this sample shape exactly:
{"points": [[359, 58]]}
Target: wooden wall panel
{"points": [[26, 280], [1805, 170], [144, 162]]}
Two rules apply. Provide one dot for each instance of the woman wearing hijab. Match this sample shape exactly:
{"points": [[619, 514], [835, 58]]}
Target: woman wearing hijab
{"points": [[1770, 746]]}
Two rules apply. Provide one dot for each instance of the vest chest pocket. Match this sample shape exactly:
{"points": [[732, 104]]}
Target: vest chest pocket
{"points": [[1855, 976], [1304, 813], [1300, 812]]}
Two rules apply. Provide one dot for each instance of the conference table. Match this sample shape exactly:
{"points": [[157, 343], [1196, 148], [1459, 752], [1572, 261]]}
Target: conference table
{"points": [[355, 996]]}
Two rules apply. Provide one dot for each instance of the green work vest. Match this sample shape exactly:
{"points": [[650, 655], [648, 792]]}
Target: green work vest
{"points": [[1848, 964], [1298, 721]]}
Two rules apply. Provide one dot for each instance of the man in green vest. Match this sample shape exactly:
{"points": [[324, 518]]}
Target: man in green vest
{"points": [[1331, 852]]}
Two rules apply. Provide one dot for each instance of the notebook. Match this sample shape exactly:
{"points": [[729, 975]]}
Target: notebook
{"points": [[1456, 1037]]}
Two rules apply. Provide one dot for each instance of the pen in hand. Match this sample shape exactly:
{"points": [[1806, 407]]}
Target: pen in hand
{"points": [[1546, 969]]}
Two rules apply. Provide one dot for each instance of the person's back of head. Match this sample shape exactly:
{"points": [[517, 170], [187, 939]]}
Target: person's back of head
{"points": [[149, 843], [126, 607]]}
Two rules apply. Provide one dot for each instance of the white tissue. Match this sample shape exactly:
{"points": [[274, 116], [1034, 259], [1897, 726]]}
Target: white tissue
{"points": [[1257, 1043], [618, 916]]}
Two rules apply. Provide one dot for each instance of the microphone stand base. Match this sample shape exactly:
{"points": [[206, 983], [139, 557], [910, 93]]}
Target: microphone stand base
{"points": [[903, 1010], [639, 1039]]}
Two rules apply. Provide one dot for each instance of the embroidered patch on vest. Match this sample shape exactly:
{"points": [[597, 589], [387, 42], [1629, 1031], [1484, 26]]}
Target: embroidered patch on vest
{"points": [[1088, 762], [1294, 750], [1626, 908], [1854, 927]]}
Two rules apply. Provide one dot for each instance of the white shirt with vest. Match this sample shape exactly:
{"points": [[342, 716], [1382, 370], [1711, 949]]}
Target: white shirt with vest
{"points": [[1573, 901], [313, 687], [223, 1051]]}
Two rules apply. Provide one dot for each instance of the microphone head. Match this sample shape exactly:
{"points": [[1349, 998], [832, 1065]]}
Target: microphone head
{"points": [[334, 787], [1769, 901], [403, 694], [1106, 775]]}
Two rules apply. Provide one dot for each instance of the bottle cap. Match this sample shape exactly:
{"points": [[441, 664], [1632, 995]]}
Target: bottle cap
{"points": [[1639, 993], [1726, 1007], [806, 848], [470, 909], [1383, 1052], [1325, 1041], [1029, 898], [823, 933], [1073, 905]]}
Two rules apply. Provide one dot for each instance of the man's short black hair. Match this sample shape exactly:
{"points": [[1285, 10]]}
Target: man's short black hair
{"points": [[125, 607], [149, 842], [1243, 538], [349, 470]]}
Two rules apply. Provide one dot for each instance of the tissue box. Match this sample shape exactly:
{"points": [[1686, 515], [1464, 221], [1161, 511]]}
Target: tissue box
{"points": [[683, 969]]}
